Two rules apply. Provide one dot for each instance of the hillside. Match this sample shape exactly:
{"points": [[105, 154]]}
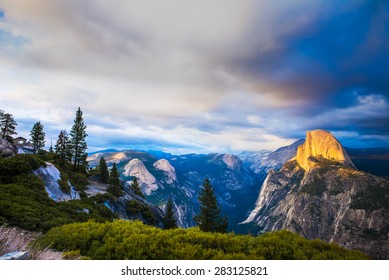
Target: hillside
{"points": [[120, 240], [162, 176]]}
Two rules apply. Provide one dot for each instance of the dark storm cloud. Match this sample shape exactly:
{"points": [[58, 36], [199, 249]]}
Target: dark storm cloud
{"points": [[335, 52], [199, 76]]}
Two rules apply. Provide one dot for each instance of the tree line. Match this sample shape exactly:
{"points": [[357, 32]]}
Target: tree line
{"points": [[69, 149]]}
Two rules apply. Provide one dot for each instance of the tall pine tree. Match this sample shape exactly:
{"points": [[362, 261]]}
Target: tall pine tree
{"points": [[79, 146], [63, 148], [114, 180], [209, 218], [7, 126], [37, 137], [169, 221], [104, 174], [136, 188]]}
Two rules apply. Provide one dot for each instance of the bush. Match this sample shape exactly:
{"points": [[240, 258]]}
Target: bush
{"points": [[24, 201], [18, 165], [136, 208], [133, 240], [64, 183]]}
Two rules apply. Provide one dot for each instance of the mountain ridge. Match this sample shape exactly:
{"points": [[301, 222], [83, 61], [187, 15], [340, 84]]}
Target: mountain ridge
{"points": [[329, 199]]}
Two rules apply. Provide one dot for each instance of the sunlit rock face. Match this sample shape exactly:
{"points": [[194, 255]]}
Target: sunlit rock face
{"points": [[165, 166], [320, 144], [137, 169], [320, 194]]}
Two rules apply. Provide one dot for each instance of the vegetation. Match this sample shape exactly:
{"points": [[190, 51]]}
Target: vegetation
{"points": [[169, 221], [37, 137], [120, 240], [209, 218], [136, 188], [316, 188], [64, 183], [116, 188], [78, 143], [24, 201], [135, 208], [7, 126], [63, 152], [114, 176], [104, 175], [375, 198]]}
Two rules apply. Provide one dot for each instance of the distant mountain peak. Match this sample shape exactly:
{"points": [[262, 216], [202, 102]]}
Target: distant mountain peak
{"points": [[321, 144]]}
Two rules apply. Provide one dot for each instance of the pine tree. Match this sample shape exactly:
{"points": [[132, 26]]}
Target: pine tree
{"points": [[63, 148], [136, 188], [114, 176], [104, 175], [37, 137], [169, 221], [7, 126], [79, 146], [209, 218], [114, 179], [51, 150]]}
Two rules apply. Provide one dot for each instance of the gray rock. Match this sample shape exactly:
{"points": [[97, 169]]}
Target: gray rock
{"points": [[17, 255], [330, 200], [7, 149]]}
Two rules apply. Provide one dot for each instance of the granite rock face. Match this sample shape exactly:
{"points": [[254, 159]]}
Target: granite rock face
{"points": [[319, 194], [7, 149]]}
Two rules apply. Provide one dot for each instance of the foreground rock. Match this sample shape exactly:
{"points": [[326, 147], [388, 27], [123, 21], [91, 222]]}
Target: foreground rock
{"points": [[17, 255], [7, 149]]}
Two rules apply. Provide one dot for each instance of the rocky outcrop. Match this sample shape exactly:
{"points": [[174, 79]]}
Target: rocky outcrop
{"points": [[261, 162], [50, 175], [137, 169], [17, 255], [327, 198], [320, 144], [7, 149], [170, 172]]}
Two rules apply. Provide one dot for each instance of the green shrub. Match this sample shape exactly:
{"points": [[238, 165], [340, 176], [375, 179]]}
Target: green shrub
{"points": [[64, 183], [135, 240], [18, 165], [134, 207], [24, 201]]}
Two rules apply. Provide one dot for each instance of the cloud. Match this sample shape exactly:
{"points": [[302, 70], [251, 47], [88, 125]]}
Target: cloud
{"points": [[203, 75]]}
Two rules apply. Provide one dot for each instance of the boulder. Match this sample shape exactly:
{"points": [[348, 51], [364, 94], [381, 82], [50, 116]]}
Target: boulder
{"points": [[7, 149]]}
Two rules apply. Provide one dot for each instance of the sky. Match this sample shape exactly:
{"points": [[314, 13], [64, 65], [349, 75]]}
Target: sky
{"points": [[186, 76]]}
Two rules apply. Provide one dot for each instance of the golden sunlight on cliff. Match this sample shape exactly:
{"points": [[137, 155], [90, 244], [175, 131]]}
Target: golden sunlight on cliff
{"points": [[321, 144]]}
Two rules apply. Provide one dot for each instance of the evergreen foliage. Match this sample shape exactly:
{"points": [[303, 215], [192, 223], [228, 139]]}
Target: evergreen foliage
{"points": [[7, 126], [78, 135], [114, 176], [169, 221], [24, 201], [104, 175], [136, 188], [209, 218], [123, 240], [37, 137], [63, 152], [137, 210], [114, 180]]}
